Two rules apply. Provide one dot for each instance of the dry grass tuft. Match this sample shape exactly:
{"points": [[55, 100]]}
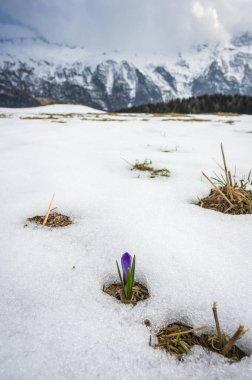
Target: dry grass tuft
{"points": [[227, 114], [192, 120], [171, 114], [146, 167], [177, 339], [112, 114], [228, 195], [197, 120], [58, 121], [42, 116], [221, 343], [230, 122], [140, 292], [54, 220]]}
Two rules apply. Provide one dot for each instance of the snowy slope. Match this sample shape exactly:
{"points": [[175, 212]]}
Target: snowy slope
{"points": [[59, 109], [55, 321]]}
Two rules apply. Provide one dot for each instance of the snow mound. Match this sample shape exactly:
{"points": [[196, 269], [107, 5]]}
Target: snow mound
{"points": [[52, 109]]}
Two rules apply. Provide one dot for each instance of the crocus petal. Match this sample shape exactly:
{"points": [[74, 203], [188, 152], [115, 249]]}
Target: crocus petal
{"points": [[126, 261]]}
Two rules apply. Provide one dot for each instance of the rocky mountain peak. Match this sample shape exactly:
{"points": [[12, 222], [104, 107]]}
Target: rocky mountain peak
{"points": [[31, 68]]}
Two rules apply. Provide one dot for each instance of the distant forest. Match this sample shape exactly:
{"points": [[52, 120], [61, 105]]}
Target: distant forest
{"points": [[201, 104]]}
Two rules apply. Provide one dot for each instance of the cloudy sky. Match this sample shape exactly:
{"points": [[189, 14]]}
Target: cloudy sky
{"points": [[145, 25]]}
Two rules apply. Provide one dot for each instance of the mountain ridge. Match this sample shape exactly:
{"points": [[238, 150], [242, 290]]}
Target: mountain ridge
{"points": [[32, 68]]}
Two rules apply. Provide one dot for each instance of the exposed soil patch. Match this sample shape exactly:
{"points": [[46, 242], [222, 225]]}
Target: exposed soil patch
{"points": [[140, 292], [54, 220]]}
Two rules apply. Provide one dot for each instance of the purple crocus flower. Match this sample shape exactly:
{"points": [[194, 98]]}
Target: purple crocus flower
{"points": [[126, 261]]}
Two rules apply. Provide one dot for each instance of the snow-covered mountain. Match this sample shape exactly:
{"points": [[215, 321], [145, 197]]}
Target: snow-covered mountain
{"points": [[33, 70]]}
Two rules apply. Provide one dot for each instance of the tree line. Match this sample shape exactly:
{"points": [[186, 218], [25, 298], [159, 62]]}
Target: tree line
{"points": [[198, 104]]}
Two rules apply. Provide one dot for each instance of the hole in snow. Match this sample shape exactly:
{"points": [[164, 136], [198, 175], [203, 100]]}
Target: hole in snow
{"points": [[54, 220], [140, 292]]}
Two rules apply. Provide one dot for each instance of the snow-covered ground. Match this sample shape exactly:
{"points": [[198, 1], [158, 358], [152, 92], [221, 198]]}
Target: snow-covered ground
{"points": [[55, 321]]}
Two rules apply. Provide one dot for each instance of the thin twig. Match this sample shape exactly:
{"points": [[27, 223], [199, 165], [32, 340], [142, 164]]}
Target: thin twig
{"points": [[219, 190], [237, 335], [49, 210], [217, 323], [129, 163], [225, 164], [230, 178], [187, 331], [226, 171], [148, 325], [228, 209], [219, 165], [231, 186]]}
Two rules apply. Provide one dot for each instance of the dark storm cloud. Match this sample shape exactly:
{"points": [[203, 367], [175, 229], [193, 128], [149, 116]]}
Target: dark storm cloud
{"points": [[145, 25]]}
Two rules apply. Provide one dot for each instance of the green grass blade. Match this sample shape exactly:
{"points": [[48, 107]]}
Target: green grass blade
{"points": [[121, 279], [133, 272], [128, 285]]}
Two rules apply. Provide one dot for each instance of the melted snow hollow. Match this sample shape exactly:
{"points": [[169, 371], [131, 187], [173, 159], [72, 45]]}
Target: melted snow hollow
{"points": [[55, 321]]}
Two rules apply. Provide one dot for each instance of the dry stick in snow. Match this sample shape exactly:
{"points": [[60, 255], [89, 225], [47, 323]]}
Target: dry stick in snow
{"points": [[230, 178], [229, 183], [49, 210], [219, 190], [237, 335], [217, 323], [225, 164], [187, 331]]}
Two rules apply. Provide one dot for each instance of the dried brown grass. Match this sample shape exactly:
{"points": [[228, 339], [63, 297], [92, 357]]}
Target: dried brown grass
{"points": [[54, 220], [228, 195], [140, 292], [178, 339], [146, 167]]}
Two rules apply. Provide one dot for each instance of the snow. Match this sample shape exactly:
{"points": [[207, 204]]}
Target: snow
{"points": [[55, 322], [58, 109]]}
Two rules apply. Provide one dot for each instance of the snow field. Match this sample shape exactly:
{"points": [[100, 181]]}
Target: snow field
{"points": [[55, 322]]}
